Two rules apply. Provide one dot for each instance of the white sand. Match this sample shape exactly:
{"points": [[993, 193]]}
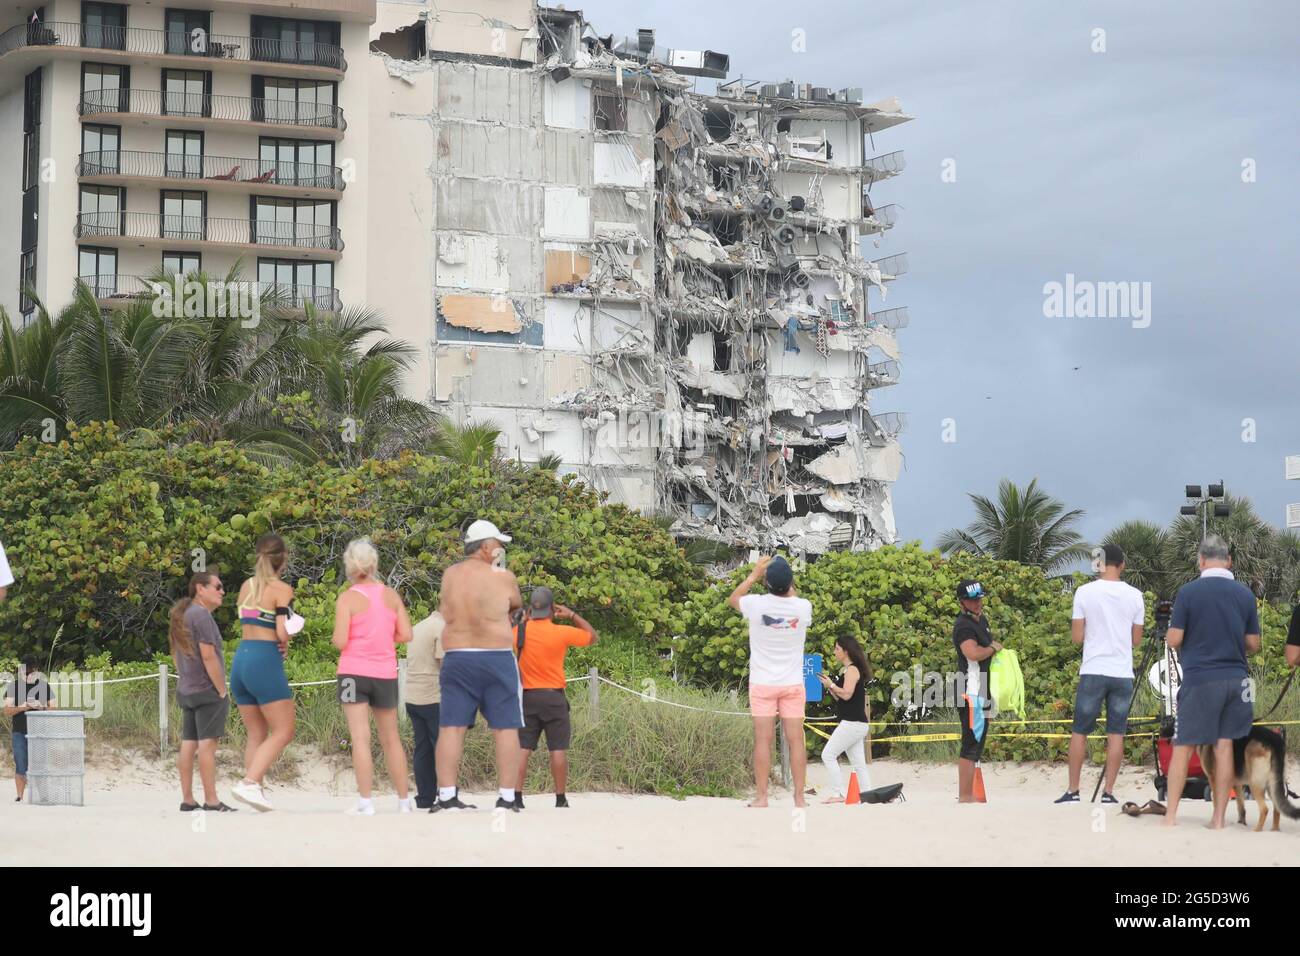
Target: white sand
{"points": [[131, 817]]}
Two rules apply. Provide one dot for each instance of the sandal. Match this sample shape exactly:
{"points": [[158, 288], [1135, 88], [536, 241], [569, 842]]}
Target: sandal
{"points": [[188, 807], [1131, 809], [221, 807]]}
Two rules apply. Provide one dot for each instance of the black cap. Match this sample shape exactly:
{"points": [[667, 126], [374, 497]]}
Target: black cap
{"points": [[779, 575], [971, 590], [541, 603]]}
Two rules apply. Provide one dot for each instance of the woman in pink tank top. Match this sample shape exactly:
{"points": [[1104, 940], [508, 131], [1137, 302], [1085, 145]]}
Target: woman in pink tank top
{"points": [[370, 620]]}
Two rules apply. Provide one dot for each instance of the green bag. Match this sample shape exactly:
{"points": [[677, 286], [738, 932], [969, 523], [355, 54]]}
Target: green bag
{"points": [[1007, 683]]}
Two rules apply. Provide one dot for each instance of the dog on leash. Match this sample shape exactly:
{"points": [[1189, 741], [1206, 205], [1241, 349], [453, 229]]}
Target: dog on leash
{"points": [[1259, 761]]}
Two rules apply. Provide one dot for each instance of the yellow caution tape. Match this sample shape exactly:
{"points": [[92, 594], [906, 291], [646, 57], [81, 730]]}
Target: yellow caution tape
{"points": [[937, 738]]}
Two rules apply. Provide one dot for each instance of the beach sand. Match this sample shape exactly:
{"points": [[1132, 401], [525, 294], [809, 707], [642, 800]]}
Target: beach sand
{"points": [[130, 817]]}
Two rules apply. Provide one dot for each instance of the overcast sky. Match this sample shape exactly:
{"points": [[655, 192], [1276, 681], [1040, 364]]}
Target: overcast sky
{"points": [[1123, 165]]}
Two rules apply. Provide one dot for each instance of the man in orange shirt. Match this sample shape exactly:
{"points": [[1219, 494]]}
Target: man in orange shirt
{"points": [[541, 669]]}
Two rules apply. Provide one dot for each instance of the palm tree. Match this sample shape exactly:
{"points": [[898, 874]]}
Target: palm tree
{"points": [[1250, 538], [551, 461], [293, 386], [1028, 526], [1145, 550], [471, 444]]}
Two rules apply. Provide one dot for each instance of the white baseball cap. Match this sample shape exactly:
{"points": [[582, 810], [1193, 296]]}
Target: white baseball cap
{"points": [[483, 531]]}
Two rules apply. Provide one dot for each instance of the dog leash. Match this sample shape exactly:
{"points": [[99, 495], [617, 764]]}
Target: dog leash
{"points": [[1285, 688]]}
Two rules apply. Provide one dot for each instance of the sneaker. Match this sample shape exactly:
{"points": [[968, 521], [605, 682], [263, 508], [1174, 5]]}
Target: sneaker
{"points": [[504, 804], [362, 810], [1108, 798], [1070, 796], [561, 800], [519, 801], [405, 806], [454, 804], [251, 794]]}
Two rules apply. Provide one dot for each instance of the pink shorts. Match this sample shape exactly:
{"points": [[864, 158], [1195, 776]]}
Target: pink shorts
{"points": [[769, 700]]}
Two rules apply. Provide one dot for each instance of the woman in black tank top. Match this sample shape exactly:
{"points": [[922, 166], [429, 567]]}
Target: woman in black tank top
{"points": [[849, 690]]}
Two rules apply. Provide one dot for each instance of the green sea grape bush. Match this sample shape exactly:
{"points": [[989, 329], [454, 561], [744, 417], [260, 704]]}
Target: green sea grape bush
{"points": [[103, 529]]}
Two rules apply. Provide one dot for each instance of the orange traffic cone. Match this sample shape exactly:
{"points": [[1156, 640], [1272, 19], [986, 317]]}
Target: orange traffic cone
{"points": [[853, 796], [979, 786]]}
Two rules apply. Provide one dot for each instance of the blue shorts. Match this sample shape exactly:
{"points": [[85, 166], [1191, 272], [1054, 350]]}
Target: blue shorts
{"points": [[1117, 692], [20, 752], [486, 681], [257, 674], [1213, 711]]}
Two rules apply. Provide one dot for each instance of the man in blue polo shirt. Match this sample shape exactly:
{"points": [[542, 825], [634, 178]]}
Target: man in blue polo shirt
{"points": [[1215, 624]]}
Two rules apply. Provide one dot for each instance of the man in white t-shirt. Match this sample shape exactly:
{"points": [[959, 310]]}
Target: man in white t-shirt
{"points": [[1108, 618], [778, 628]]}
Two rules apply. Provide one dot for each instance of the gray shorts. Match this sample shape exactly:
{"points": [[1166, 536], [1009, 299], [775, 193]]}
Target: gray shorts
{"points": [[203, 715], [1213, 711], [379, 692]]}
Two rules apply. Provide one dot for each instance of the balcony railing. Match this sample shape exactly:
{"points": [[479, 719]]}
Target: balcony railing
{"points": [[878, 218], [891, 266], [208, 106], [883, 374], [283, 294], [884, 166], [891, 318], [196, 43], [296, 296], [150, 225], [217, 168]]}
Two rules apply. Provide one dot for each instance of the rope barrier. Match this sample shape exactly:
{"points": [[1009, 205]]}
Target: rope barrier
{"points": [[673, 703]]}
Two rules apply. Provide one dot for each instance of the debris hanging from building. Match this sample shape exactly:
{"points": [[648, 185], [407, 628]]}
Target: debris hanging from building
{"points": [[665, 288]]}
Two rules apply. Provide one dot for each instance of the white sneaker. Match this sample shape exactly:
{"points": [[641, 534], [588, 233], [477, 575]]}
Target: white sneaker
{"points": [[405, 806], [251, 794], [362, 810]]}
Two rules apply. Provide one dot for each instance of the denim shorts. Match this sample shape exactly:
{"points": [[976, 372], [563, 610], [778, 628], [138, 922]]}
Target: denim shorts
{"points": [[20, 753], [1117, 692]]}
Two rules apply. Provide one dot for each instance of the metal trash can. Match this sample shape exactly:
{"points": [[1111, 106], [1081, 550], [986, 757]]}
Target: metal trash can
{"points": [[56, 752]]}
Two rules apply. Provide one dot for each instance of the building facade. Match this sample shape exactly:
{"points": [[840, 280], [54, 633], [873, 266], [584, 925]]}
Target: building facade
{"points": [[160, 138]]}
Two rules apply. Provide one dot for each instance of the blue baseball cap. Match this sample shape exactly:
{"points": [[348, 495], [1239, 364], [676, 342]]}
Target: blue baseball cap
{"points": [[779, 575]]}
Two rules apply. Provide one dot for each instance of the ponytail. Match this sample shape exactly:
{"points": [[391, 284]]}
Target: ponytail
{"points": [[272, 556]]}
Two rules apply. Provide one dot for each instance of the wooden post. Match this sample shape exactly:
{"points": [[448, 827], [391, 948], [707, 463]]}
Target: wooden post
{"points": [[785, 754], [401, 689], [593, 694], [162, 710]]}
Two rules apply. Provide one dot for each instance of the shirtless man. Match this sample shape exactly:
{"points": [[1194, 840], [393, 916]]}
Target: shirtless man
{"points": [[479, 598]]}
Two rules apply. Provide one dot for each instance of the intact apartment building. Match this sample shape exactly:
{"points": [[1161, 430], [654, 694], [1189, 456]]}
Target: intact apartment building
{"points": [[672, 280], [157, 137]]}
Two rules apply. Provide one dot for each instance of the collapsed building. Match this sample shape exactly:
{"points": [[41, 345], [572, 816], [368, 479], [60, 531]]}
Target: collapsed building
{"points": [[663, 289]]}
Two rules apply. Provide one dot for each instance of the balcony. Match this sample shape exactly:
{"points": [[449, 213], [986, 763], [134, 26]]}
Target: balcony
{"points": [[149, 229], [197, 50], [205, 111], [269, 177], [876, 220], [117, 290]]}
